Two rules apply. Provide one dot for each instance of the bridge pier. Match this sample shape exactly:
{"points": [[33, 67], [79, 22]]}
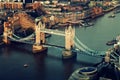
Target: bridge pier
{"points": [[39, 48], [68, 54]]}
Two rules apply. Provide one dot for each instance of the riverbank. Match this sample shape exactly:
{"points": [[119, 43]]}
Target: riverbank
{"points": [[108, 10]]}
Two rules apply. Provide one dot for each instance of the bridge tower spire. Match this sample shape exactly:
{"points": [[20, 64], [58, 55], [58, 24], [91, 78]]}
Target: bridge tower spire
{"points": [[69, 43], [39, 38]]}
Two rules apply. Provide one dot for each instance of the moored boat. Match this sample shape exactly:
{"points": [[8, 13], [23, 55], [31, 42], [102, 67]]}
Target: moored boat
{"points": [[112, 16], [112, 42]]}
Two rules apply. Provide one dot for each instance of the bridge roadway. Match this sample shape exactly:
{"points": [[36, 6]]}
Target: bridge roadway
{"points": [[29, 41], [82, 48], [56, 32], [78, 44]]}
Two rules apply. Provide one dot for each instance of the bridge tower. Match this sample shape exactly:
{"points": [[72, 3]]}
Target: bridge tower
{"points": [[7, 32], [39, 38], [69, 43], [69, 37]]}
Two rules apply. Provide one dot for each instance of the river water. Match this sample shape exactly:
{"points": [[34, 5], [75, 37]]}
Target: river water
{"points": [[50, 66]]}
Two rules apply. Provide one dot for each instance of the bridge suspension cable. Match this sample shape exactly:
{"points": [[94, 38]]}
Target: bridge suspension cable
{"points": [[84, 48], [79, 47], [17, 40], [26, 38]]}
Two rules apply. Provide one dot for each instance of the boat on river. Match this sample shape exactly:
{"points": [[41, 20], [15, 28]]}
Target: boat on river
{"points": [[112, 16], [90, 23], [117, 11], [112, 42]]}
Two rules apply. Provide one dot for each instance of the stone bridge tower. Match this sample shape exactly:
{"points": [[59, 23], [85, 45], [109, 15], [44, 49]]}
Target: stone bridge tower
{"points": [[69, 38], [7, 32], [69, 43], [39, 38]]}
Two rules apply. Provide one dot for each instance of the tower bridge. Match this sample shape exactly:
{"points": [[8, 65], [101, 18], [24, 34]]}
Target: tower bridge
{"points": [[37, 39], [39, 36]]}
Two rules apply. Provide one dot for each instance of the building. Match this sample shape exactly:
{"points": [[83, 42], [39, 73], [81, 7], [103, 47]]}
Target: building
{"points": [[80, 2]]}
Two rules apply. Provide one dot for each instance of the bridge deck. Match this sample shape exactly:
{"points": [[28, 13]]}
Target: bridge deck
{"points": [[56, 32]]}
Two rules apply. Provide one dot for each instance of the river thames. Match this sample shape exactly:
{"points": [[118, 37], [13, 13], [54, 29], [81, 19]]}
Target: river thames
{"points": [[50, 66]]}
